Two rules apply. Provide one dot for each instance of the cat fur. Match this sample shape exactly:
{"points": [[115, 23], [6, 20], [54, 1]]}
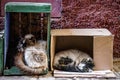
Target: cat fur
{"points": [[33, 57], [73, 60]]}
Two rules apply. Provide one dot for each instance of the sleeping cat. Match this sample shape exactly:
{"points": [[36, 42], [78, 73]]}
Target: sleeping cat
{"points": [[33, 57], [73, 60]]}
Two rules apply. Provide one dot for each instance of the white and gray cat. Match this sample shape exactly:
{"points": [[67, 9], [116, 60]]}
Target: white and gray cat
{"points": [[73, 60], [32, 55]]}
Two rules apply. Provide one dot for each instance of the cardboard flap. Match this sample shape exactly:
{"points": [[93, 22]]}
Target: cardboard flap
{"points": [[103, 52]]}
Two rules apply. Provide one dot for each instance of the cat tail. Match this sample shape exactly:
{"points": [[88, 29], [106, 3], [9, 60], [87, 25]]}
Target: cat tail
{"points": [[19, 62]]}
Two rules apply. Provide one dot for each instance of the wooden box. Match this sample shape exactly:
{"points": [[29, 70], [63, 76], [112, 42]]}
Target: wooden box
{"points": [[98, 43], [1, 51], [23, 18]]}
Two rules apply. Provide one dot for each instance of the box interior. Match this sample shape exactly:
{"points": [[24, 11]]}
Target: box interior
{"points": [[82, 43], [17, 26]]}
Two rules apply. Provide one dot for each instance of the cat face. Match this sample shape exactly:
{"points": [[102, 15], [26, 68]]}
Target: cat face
{"points": [[29, 40]]}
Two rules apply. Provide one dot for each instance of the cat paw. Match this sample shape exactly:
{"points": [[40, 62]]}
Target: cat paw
{"points": [[86, 65]]}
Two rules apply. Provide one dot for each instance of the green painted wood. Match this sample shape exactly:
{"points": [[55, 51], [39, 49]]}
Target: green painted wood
{"points": [[13, 71], [16, 71], [27, 7], [1, 55], [48, 40]]}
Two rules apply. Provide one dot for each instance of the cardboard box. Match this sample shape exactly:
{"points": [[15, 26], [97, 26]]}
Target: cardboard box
{"points": [[98, 43]]}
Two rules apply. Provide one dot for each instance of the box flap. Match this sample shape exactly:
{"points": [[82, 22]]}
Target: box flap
{"points": [[80, 32]]}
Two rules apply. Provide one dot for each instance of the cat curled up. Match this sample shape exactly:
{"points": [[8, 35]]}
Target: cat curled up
{"points": [[73, 60], [33, 57]]}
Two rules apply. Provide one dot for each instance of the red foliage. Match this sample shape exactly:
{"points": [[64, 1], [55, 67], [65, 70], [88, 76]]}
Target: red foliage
{"points": [[92, 14]]}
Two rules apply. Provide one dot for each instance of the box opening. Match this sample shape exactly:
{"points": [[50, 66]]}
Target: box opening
{"points": [[17, 26], [82, 43]]}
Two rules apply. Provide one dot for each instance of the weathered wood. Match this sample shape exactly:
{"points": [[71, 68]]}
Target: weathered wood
{"points": [[24, 18]]}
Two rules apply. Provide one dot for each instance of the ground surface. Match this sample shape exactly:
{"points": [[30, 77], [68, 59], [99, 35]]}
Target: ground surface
{"points": [[50, 77]]}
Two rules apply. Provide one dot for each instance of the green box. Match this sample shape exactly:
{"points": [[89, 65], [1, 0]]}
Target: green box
{"points": [[1, 53], [23, 18]]}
